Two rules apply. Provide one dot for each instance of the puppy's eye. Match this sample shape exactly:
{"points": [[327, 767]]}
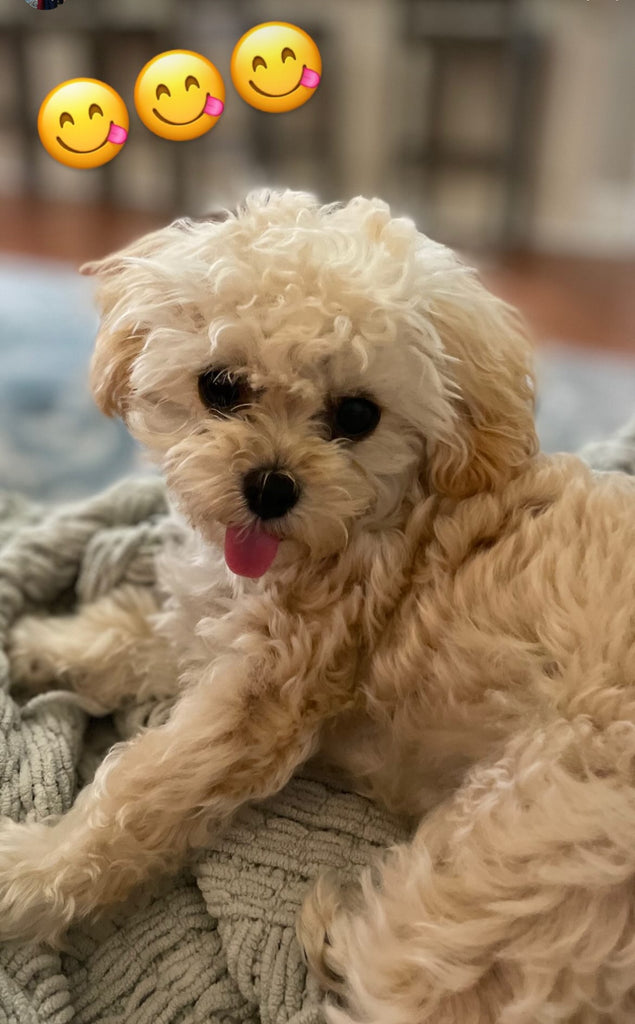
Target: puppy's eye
{"points": [[218, 391], [354, 417]]}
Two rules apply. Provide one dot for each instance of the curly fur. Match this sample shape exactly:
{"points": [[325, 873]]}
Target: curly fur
{"points": [[449, 622]]}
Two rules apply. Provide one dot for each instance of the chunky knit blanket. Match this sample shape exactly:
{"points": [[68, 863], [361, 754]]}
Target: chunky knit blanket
{"points": [[216, 944]]}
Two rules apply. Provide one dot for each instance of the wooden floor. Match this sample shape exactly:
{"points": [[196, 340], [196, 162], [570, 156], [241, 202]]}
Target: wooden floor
{"points": [[585, 302]]}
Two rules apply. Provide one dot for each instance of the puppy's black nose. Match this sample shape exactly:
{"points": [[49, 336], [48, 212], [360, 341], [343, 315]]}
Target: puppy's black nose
{"points": [[269, 493]]}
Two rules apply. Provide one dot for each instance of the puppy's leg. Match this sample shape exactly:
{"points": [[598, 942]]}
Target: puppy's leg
{"points": [[235, 735], [108, 652], [514, 903]]}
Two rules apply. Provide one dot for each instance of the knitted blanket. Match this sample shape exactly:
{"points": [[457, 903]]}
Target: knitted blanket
{"points": [[217, 943]]}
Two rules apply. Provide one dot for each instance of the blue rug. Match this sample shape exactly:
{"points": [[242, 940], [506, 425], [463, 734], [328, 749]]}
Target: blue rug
{"points": [[55, 445], [54, 442]]}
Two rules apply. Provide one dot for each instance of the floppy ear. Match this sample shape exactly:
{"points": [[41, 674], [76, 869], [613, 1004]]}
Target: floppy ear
{"points": [[131, 286], [492, 388], [123, 279], [110, 368]]}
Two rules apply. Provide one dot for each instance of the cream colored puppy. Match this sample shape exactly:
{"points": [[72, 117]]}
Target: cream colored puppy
{"points": [[382, 572]]}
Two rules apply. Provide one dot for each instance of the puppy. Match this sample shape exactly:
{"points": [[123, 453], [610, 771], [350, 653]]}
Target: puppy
{"points": [[383, 574]]}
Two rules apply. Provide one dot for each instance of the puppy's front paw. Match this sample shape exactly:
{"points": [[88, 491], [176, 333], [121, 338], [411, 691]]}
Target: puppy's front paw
{"points": [[317, 932], [32, 665], [31, 897]]}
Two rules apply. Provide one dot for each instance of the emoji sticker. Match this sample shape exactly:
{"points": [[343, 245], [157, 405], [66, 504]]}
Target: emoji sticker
{"points": [[179, 95], [276, 67], [83, 123]]}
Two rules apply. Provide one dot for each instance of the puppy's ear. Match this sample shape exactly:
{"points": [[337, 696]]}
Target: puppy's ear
{"points": [[120, 336], [131, 285], [115, 352], [491, 386]]}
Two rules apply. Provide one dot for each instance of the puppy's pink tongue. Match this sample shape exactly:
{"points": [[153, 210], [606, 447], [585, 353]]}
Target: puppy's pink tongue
{"points": [[249, 553], [309, 78], [117, 134], [214, 107]]}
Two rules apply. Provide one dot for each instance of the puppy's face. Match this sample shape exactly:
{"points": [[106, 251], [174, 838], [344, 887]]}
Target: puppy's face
{"points": [[303, 372]]}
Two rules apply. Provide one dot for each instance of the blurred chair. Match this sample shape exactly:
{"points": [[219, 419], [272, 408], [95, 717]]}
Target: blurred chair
{"points": [[299, 149], [494, 33]]}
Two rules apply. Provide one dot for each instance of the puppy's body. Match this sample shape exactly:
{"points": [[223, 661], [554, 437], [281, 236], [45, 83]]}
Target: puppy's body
{"points": [[479, 623], [497, 630], [448, 622]]}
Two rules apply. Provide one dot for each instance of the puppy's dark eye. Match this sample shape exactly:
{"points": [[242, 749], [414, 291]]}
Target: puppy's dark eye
{"points": [[218, 391], [354, 417]]}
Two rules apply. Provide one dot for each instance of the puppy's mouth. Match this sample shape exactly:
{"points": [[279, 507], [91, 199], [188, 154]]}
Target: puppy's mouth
{"points": [[249, 550]]}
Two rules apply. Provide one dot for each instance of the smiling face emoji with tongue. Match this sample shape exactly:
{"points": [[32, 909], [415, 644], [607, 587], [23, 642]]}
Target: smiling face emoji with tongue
{"points": [[83, 123], [276, 67], [179, 95]]}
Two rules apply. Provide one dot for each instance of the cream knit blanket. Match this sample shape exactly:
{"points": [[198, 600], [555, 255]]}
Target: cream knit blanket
{"points": [[216, 944]]}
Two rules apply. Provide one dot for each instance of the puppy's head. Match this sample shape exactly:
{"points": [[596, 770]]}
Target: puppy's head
{"points": [[301, 371]]}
